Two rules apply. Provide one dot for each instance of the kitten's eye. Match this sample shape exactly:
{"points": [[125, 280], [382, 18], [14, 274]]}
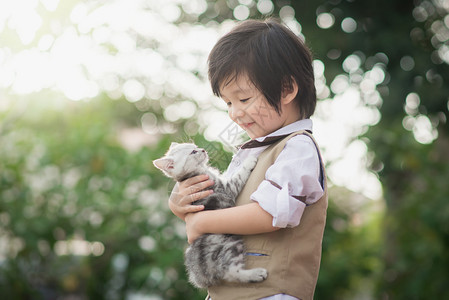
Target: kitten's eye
{"points": [[193, 152]]}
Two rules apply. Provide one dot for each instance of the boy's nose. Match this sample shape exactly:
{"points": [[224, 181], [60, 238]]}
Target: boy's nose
{"points": [[237, 113]]}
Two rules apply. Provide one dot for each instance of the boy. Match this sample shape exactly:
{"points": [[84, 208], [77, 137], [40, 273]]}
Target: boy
{"points": [[264, 74]]}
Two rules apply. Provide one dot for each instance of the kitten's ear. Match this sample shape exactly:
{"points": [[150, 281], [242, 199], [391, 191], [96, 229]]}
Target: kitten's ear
{"points": [[164, 163], [174, 144]]}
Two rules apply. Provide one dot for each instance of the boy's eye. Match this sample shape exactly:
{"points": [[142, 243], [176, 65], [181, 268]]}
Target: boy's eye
{"points": [[228, 103], [193, 152], [244, 100]]}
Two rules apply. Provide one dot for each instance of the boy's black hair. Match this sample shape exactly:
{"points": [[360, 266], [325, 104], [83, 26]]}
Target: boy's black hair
{"points": [[272, 56]]}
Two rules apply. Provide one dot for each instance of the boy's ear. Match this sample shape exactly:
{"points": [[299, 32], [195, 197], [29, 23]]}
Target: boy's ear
{"points": [[164, 163], [289, 92]]}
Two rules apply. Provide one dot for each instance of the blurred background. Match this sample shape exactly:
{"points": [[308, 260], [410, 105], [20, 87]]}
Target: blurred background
{"points": [[92, 91]]}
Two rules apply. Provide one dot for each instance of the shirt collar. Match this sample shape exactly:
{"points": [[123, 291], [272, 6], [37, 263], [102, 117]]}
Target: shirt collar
{"points": [[279, 134], [305, 124]]}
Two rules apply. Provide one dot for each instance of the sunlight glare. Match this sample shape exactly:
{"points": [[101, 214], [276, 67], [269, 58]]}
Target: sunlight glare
{"points": [[337, 122], [350, 171], [78, 13], [196, 7], [28, 80], [45, 42], [50, 5], [26, 22], [170, 12]]}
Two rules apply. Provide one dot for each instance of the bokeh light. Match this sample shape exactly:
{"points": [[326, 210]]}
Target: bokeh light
{"points": [[265, 7], [325, 20], [348, 25], [407, 63], [241, 12]]}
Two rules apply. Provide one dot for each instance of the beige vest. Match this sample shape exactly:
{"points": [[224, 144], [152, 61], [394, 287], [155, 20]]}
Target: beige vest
{"points": [[293, 255]]}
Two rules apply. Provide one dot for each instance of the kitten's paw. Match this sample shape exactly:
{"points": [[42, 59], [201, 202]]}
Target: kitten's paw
{"points": [[258, 275], [250, 162]]}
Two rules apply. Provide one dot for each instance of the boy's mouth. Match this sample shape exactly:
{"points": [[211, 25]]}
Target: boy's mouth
{"points": [[246, 125]]}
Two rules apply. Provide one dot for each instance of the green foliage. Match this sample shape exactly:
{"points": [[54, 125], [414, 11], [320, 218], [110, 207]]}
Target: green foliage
{"points": [[351, 253], [81, 216], [416, 227]]}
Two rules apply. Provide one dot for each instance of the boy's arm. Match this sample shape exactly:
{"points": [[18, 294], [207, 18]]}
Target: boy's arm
{"points": [[243, 220]]}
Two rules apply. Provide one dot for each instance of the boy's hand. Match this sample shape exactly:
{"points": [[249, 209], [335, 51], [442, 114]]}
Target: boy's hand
{"points": [[186, 192]]}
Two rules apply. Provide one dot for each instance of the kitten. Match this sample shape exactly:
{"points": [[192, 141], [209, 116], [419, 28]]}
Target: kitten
{"points": [[212, 257]]}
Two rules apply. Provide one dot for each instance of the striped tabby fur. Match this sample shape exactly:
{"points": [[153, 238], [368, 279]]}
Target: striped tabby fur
{"points": [[212, 257]]}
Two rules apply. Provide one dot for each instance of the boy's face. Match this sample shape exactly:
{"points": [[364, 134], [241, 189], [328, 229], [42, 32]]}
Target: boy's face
{"points": [[248, 107]]}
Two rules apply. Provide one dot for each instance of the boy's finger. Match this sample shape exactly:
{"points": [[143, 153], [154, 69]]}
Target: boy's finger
{"points": [[199, 195], [195, 208], [192, 209], [200, 186]]}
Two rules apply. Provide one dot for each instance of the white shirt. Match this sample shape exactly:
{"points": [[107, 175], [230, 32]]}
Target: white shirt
{"points": [[295, 173]]}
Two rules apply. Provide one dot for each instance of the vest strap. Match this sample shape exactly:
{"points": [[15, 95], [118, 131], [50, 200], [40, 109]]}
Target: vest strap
{"points": [[267, 141]]}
